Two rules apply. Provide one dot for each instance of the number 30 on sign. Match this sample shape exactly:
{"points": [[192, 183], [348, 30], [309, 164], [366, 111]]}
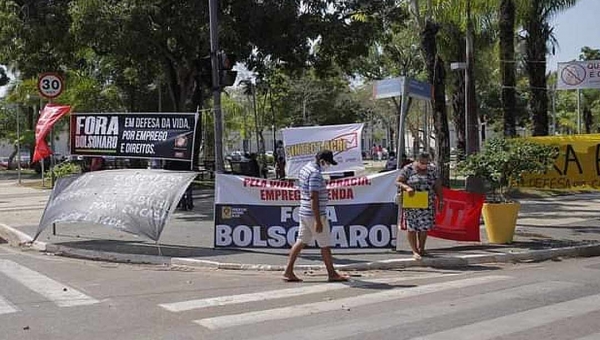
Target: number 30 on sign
{"points": [[50, 85]]}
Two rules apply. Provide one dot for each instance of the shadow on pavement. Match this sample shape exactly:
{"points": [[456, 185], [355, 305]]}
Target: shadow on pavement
{"points": [[139, 248]]}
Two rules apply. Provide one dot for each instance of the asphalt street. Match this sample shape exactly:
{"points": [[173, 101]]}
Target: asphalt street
{"points": [[49, 297]]}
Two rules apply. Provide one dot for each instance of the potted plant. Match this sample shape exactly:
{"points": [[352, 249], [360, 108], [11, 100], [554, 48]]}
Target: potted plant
{"points": [[501, 164]]}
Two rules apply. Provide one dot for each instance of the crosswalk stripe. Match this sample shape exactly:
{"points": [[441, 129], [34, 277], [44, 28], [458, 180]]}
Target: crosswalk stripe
{"points": [[60, 294], [350, 302], [284, 293], [521, 321], [389, 320], [6, 307], [594, 336]]}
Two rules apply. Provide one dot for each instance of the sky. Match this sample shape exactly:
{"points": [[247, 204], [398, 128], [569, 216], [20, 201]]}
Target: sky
{"points": [[574, 28]]}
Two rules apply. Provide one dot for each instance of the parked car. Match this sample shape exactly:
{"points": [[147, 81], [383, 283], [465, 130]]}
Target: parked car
{"points": [[235, 156], [4, 163]]}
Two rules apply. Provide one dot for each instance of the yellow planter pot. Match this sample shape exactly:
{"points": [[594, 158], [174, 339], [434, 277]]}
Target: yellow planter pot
{"points": [[500, 221]]}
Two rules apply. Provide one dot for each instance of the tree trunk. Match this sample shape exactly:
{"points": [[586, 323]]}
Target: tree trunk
{"points": [[198, 105], [458, 107], [436, 76], [458, 97], [588, 119], [185, 90], [537, 36], [507, 65]]}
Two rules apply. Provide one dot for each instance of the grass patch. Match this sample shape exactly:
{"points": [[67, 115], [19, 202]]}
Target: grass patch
{"points": [[37, 184]]}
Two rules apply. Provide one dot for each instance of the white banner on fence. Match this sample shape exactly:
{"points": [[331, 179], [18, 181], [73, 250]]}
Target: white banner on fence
{"points": [[260, 213], [578, 75], [303, 143]]}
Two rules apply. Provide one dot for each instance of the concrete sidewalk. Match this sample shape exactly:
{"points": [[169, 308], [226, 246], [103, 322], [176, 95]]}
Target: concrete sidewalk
{"points": [[547, 228]]}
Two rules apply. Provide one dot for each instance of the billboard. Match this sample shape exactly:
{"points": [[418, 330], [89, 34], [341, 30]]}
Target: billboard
{"points": [[134, 135], [578, 75], [303, 143], [261, 213], [578, 163]]}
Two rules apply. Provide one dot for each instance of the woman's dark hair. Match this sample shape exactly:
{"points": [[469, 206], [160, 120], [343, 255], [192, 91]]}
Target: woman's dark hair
{"points": [[424, 155]]}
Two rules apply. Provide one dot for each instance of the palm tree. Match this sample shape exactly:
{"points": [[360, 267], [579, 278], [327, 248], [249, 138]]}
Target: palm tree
{"points": [[482, 34], [507, 20], [436, 75], [539, 34]]}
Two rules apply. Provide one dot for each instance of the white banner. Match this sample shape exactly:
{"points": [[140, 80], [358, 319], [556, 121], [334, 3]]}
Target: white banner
{"points": [[138, 201], [254, 212], [578, 75], [303, 143]]}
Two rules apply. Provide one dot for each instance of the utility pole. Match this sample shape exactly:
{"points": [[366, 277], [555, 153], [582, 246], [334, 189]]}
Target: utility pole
{"points": [[216, 84]]}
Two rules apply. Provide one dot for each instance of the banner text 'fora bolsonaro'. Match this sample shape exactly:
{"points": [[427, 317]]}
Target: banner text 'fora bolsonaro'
{"points": [[261, 213], [134, 135]]}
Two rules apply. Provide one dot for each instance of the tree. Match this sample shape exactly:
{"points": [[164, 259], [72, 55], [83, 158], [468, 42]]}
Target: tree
{"points": [[538, 36], [436, 76], [35, 36], [460, 19]]}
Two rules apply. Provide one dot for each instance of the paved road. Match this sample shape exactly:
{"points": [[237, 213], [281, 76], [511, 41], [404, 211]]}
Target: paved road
{"points": [[47, 297]]}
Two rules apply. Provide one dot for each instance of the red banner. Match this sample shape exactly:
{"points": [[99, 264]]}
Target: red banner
{"points": [[48, 117], [459, 218]]}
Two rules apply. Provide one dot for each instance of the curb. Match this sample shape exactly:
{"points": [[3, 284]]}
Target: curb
{"points": [[449, 262], [107, 256], [17, 238]]}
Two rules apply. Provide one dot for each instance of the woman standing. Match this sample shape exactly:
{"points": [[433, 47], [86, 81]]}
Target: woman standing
{"points": [[420, 175]]}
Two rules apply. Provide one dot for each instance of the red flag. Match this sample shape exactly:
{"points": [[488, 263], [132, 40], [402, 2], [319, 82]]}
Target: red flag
{"points": [[48, 117], [459, 218]]}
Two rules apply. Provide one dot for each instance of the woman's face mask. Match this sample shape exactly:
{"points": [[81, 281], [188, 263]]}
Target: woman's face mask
{"points": [[422, 164]]}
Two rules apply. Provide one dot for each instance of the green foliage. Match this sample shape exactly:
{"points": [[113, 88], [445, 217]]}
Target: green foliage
{"points": [[503, 161], [63, 169], [35, 36]]}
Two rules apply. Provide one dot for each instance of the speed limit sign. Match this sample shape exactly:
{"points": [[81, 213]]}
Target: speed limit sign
{"points": [[50, 85]]}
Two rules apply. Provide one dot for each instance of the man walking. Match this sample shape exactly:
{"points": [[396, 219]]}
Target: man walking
{"points": [[313, 219]]}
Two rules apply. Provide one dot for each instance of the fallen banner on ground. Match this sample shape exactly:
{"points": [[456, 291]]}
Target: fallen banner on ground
{"points": [[138, 201], [303, 143], [578, 164], [459, 218], [134, 135], [261, 213]]}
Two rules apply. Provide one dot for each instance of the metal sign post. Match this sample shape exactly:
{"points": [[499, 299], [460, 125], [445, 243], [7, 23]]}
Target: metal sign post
{"points": [[18, 146], [404, 87], [50, 85], [577, 75]]}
